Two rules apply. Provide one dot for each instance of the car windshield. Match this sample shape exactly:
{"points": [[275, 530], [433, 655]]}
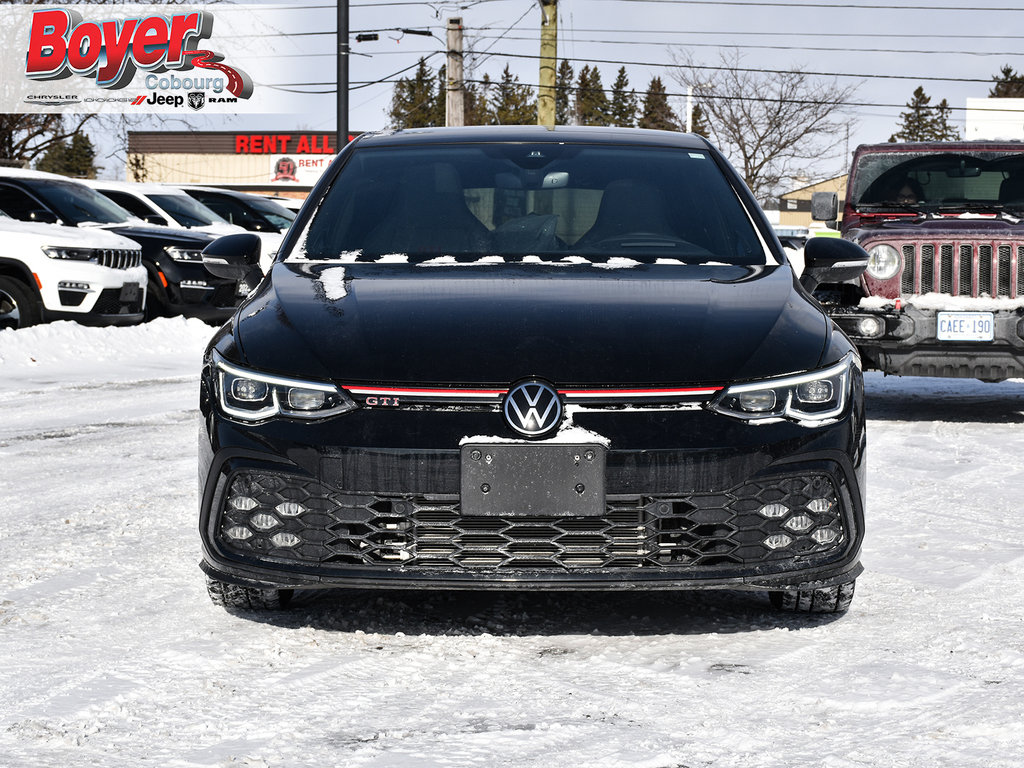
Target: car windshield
{"points": [[273, 212], [186, 211], [932, 180], [78, 204], [551, 200]]}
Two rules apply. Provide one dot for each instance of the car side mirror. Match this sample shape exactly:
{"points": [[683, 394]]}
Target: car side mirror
{"points": [[825, 207], [154, 218], [831, 260], [43, 216], [234, 257]]}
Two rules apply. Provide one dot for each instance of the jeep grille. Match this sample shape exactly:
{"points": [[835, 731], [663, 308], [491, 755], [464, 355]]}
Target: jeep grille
{"points": [[963, 269]]}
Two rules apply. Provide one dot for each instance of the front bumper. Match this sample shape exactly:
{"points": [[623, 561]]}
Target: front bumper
{"points": [[91, 294], [694, 500], [908, 346]]}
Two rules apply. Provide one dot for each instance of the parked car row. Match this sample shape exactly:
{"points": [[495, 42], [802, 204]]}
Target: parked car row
{"points": [[113, 253]]}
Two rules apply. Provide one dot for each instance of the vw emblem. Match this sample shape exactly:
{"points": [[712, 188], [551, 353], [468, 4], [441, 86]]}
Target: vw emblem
{"points": [[532, 408]]}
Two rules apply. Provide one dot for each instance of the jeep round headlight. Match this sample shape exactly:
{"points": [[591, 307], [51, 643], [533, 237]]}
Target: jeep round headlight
{"points": [[883, 262]]}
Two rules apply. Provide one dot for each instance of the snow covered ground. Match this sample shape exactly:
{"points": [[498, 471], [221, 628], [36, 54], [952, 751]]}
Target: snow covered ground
{"points": [[112, 655]]}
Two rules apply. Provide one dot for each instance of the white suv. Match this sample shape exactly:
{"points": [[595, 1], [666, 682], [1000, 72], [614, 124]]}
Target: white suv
{"points": [[163, 205], [49, 272]]}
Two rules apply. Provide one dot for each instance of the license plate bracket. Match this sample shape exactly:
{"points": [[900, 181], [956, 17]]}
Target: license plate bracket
{"points": [[129, 293], [965, 326], [520, 479]]}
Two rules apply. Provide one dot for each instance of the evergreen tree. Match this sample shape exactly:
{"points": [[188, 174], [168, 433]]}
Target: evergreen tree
{"points": [[699, 121], [474, 102], [513, 104], [414, 100], [923, 122], [75, 158], [943, 129], [592, 106], [1008, 84], [624, 102], [563, 93], [656, 112]]}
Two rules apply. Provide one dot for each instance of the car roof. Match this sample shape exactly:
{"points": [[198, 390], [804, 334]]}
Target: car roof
{"points": [[27, 173], [533, 133], [140, 188]]}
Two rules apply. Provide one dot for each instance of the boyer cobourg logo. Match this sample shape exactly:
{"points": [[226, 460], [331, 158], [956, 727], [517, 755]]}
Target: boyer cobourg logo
{"points": [[111, 52]]}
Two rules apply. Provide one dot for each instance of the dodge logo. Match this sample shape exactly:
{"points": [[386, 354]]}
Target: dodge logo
{"points": [[532, 408]]}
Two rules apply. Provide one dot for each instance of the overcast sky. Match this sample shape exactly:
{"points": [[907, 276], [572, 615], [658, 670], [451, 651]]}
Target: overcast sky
{"points": [[950, 49]]}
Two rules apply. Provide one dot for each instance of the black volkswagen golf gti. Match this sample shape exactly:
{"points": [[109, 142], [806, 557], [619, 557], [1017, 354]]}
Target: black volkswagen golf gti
{"points": [[525, 358]]}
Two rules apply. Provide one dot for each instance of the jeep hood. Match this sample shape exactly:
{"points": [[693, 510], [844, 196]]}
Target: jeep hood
{"points": [[495, 324]]}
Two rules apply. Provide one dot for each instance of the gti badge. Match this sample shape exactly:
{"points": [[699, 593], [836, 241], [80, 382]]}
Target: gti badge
{"points": [[532, 408]]}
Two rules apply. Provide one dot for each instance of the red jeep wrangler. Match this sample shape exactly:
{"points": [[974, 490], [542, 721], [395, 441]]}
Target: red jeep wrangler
{"points": [[943, 223]]}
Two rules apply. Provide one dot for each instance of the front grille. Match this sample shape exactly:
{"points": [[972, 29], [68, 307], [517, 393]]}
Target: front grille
{"points": [[963, 269], [109, 303], [289, 518], [116, 258]]}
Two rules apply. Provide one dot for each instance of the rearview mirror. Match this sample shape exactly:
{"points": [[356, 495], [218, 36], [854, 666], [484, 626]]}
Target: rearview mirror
{"points": [[234, 257], [831, 260], [824, 206]]}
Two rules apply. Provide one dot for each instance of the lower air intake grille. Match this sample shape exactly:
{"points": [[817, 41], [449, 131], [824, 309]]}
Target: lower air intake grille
{"points": [[284, 517]]}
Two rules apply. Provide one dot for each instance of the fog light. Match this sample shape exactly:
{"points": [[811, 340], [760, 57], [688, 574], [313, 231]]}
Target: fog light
{"points": [[290, 508], [825, 535], [264, 522], [238, 533], [285, 540], [799, 523], [773, 510], [757, 402], [870, 326], [819, 505], [778, 541], [193, 284], [244, 503]]}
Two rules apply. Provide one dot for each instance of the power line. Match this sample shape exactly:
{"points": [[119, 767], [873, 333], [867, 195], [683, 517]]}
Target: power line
{"points": [[785, 47], [840, 6]]}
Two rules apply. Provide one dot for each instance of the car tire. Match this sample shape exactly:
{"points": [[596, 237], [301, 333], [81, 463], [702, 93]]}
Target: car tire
{"points": [[835, 599], [246, 598], [19, 307]]}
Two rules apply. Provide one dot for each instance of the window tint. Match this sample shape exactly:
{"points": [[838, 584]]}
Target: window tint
{"points": [[554, 200], [130, 203]]}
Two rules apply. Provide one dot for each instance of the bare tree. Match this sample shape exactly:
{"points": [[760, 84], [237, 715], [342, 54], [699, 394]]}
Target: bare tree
{"points": [[773, 126]]}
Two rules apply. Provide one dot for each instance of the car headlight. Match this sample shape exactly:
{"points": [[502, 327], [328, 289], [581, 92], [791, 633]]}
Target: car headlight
{"points": [[814, 397], [184, 254], [253, 396], [70, 254], [884, 262]]}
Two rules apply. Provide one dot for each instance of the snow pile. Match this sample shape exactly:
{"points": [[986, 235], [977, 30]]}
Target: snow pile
{"points": [[69, 351]]}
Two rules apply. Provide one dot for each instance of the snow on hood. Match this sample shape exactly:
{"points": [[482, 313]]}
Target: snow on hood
{"points": [[939, 302], [55, 234]]}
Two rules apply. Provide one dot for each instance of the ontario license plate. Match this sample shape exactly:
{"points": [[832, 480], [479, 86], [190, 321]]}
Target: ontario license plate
{"points": [[965, 326], [515, 479]]}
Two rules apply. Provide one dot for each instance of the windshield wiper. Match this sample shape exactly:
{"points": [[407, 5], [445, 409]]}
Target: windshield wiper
{"points": [[998, 209]]}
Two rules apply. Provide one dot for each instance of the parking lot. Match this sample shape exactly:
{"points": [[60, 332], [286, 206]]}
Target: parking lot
{"points": [[115, 656]]}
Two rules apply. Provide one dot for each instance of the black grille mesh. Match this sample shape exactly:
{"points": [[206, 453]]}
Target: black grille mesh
{"points": [[963, 269], [291, 518]]}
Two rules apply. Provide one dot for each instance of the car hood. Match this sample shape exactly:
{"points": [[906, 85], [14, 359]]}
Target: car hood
{"points": [[145, 232], [56, 234], [577, 324]]}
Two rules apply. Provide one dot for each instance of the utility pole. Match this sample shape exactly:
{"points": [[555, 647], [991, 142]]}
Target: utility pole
{"points": [[548, 57], [454, 103], [343, 50]]}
